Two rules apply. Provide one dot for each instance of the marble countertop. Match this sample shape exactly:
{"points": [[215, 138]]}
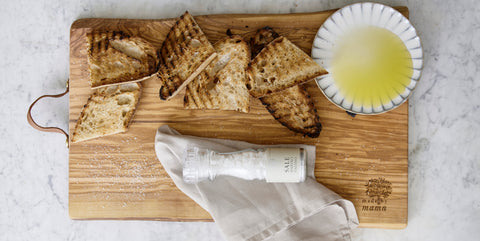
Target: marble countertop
{"points": [[444, 134]]}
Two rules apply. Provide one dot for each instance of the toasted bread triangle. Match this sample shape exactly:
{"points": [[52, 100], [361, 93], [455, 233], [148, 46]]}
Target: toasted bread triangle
{"points": [[185, 52], [108, 111], [114, 57], [222, 84], [280, 65]]}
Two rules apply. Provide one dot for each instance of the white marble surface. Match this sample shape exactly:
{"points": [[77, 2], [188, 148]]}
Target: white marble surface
{"points": [[444, 135]]}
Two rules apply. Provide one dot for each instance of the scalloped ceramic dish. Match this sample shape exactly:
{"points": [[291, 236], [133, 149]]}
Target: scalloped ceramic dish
{"points": [[346, 28]]}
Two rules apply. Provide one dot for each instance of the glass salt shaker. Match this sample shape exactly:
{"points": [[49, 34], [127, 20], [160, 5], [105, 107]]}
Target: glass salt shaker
{"points": [[286, 165]]}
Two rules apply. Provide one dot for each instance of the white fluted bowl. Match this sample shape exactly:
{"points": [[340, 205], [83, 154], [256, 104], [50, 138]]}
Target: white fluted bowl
{"points": [[351, 18]]}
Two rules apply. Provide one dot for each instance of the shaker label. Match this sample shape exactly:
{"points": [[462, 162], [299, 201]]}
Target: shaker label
{"points": [[283, 165]]}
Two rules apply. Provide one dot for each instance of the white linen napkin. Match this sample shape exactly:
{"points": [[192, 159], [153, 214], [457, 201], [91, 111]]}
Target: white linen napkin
{"points": [[256, 210]]}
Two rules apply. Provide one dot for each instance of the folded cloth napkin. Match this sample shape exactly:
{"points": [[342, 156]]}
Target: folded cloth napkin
{"points": [[256, 210]]}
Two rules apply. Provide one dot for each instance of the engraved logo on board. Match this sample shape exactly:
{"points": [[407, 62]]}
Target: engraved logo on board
{"points": [[377, 191]]}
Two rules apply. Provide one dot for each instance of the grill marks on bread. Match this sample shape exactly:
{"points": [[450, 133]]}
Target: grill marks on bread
{"points": [[185, 52], [114, 57], [294, 109]]}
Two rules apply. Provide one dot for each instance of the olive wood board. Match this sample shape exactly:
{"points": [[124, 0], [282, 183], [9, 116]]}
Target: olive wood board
{"points": [[363, 158]]}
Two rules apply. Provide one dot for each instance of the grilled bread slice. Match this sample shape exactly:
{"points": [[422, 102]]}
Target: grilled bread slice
{"points": [[108, 111], [294, 109], [280, 65], [293, 106], [114, 57], [222, 84], [185, 53]]}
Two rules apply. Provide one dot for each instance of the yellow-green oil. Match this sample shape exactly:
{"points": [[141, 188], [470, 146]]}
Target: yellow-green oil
{"points": [[371, 66]]}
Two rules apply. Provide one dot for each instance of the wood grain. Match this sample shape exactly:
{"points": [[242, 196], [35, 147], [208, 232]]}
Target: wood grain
{"points": [[120, 177]]}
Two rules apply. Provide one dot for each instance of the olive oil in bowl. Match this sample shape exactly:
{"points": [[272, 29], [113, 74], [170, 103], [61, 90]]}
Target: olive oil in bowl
{"points": [[371, 66], [373, 55]]}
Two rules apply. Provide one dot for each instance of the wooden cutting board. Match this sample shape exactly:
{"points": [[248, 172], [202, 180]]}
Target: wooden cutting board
{"points": [[362, 158]]}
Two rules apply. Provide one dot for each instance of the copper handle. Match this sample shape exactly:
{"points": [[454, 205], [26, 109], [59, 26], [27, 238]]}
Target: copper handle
{"points": [[42, 128]]}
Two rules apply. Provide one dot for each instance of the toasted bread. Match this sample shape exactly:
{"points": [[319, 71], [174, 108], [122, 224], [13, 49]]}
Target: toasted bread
{"points": [[261, 38], [108, 111], [281, 64], [114, 57], [222, 84], [294, 109], [185, 53], [293, 106]]}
